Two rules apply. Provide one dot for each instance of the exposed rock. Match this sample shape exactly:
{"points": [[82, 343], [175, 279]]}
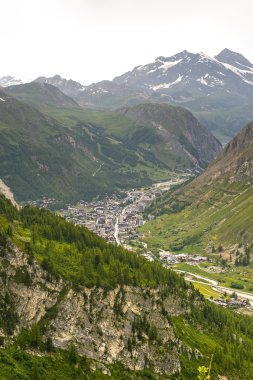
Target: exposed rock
{"points": [[6, 191], [106, 326]]}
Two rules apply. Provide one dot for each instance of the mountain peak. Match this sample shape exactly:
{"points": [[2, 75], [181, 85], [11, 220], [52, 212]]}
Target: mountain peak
{"points": [[57, 77], [67, 86], [183, 54], [233, 58]]}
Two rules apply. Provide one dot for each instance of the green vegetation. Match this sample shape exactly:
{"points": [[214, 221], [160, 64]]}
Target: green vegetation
{"points": [[71, 154], [16, 364], [82, 258], [221, 213], [206, 290]]}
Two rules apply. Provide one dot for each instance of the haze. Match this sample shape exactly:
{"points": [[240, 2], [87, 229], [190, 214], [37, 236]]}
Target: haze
{"points": [[91, 40]]}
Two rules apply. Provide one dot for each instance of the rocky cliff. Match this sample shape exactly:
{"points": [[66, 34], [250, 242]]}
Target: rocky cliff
{"points": [[128, 324]]}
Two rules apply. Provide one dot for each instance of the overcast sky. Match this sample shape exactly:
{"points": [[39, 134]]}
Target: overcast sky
{"points": [[91, 40]]}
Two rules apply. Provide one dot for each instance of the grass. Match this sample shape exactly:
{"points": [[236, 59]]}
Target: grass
{"points": [[206, 290], [220, 214]]}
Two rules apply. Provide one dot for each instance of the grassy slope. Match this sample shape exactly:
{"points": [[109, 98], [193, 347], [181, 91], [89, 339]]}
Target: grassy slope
{"points": [[220, 214], [211, 211], [215, 208]]}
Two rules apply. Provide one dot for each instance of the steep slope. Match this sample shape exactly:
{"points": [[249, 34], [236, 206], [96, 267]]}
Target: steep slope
{"points": [[75, 154], [216, 208], [69, 298], [41, 95]]}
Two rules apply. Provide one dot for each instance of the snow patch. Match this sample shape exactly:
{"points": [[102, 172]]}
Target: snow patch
{"points": [[167, 65], [167, 85], [2, 100], [241, 73], [210, 81]]}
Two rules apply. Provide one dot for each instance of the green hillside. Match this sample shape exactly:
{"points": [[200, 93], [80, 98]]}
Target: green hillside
{"points": [[215, 208], [72, 154], [212, 216]]}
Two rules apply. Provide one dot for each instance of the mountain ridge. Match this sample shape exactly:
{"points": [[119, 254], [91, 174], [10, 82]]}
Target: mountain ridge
{"points": [[218, 90]]}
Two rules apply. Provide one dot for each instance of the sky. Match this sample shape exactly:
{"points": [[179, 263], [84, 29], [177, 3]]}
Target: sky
{"points": [[92, 40]]}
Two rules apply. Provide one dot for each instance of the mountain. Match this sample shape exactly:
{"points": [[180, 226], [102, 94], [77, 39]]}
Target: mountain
{"points": [[197, 74], [67, 86], [213, 210], [219, 90], [236, 60], [41, 95], [73, 306], [107, 93], [9, 81], [71, 154], [175, 130]]}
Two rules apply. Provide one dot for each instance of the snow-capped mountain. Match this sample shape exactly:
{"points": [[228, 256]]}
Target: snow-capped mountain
{"points": [[218, 90], [9, 81], [186, 74]]}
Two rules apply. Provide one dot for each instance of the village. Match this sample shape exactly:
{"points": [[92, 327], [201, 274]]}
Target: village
{"points": [[115, 218]]}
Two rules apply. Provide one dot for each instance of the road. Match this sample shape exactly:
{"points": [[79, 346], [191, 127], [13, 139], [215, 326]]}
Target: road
{"points": [[216, 287], [116, 231], [116, 226], [96, 171], [212, 282]]}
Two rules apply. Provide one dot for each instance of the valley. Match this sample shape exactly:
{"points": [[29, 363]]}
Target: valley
{"points": [[153, 209], [119, 219], [126, 190]]}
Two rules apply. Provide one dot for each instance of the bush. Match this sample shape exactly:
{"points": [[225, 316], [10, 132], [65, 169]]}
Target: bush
{"points": [[236, 285]]}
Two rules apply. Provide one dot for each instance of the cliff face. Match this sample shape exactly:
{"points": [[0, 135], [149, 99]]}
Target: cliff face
{"points": [[129, 325]]}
